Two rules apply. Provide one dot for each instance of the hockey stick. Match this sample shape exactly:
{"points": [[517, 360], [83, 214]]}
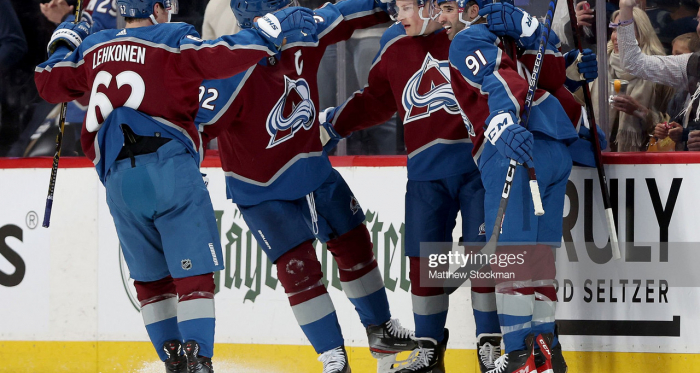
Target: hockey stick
{"points": [[512, 52], [59, 141], [462, 274], [603, 181]]}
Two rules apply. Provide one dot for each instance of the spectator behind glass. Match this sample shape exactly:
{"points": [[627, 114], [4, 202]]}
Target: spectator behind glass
{"points": [[56, 10], [219, 20], [634, 115], [21, 102], [13, 44], [682, 14], [683, 44]]}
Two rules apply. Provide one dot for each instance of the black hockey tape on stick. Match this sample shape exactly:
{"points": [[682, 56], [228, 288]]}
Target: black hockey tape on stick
{"points": [[462, 274], [59, 141], [602, 179]]}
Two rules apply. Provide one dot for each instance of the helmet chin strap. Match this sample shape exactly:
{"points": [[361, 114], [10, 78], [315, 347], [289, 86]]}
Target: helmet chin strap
{"points": [[425, 26], [468, 23], [425, 21], [153, 18]]}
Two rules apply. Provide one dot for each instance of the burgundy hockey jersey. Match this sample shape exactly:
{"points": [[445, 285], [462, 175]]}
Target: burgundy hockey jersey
{"points": [[411, 75]]}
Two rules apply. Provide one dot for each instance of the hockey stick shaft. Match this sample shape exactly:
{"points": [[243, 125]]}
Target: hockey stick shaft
{"points": [[512, 52], [462, 274], [534, 78], [602, 179], [59, 141]]}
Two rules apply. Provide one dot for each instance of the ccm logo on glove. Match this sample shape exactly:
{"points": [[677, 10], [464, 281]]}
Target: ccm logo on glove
{"points": [[496, 126]]}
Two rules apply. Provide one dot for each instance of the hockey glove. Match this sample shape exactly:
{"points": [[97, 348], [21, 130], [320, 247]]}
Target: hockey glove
{"points": [[504, 19], [581, 66], [585, 133], [68, 34], [511, 139], [329, 136], [289, 21]]}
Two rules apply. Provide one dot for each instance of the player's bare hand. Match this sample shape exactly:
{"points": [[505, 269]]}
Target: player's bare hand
{"points": [[56, 10], [676, 132], [694, 141], [584, 14]]}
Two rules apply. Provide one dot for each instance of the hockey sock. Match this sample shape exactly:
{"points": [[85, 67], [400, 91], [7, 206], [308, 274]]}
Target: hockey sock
{"points": [[484, 303], [195, 311], [544, 272], [515, 296], [430, 305], [359, 275], [159, 311], [299, 272]]}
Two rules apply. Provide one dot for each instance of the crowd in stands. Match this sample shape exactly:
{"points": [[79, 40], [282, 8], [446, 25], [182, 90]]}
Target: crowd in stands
{"points": [[652, 105]]}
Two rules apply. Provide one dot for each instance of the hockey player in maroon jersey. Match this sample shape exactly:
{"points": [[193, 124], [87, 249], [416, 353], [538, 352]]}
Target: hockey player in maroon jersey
{"points": [[411, 74], [140, 134], [266, 122]]}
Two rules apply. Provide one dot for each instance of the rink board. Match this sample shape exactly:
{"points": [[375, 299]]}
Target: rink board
{"points": [[67, 301]]}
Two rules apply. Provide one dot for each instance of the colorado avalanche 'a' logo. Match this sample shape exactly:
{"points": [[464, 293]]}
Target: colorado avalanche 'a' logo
{"points": [[429, 90], [293, 111]]}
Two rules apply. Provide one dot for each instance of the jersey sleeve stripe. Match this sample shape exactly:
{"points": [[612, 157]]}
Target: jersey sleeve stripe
{"points": [[60, 64], [224, 108], [330, 27], [508, 91], [386, 47]]}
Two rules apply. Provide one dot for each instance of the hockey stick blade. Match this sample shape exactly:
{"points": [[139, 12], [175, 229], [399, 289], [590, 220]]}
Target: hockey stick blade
{"points": [[462, 274]]}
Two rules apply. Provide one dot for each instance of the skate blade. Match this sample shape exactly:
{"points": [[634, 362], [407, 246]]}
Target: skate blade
{"points": [[391, 363]]}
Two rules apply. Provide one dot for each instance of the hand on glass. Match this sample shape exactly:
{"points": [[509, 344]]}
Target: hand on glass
{"points": [[584, 14], [55, 10]]}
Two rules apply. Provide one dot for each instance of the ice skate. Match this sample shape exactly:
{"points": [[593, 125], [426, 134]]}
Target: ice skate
{"points": [[335, 361], [176, 361], [488, 346], [558, 364], [195, 363], [520, 361], [386, 341], [429, 357]]}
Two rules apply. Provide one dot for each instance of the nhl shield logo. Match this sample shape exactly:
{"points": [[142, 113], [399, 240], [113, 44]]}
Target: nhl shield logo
{"points": [[186, 264], [482, 229], [292, 112], [354, 205]]}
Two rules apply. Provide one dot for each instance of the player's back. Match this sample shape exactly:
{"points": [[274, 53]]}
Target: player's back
{"points": [[148, 61], [270, 123]]}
